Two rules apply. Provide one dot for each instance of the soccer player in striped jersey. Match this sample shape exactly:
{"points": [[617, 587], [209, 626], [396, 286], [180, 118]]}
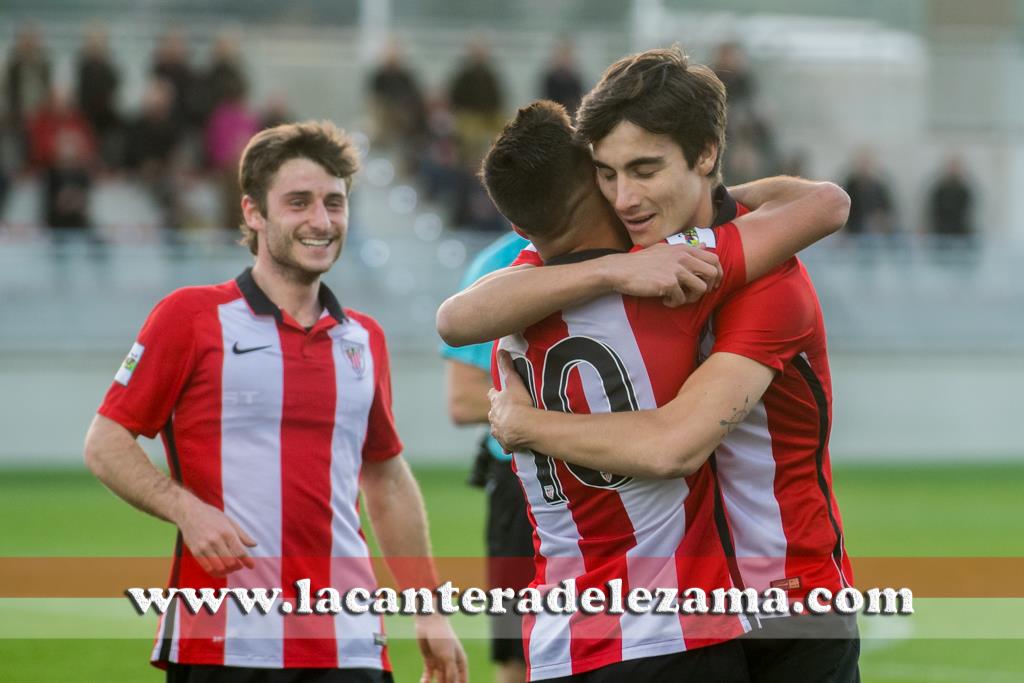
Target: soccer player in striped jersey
{"points": [[759, 406], [622, 353], [274, 404]]}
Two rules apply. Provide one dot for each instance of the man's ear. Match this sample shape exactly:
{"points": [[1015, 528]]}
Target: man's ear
{"points": [[706, 160], [251, 213]]}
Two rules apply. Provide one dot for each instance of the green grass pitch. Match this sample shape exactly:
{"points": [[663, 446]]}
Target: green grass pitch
{"points": [[900, 510]]}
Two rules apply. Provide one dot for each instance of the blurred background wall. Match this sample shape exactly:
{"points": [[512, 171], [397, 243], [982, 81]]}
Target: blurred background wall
{"points": [[122, 123]]}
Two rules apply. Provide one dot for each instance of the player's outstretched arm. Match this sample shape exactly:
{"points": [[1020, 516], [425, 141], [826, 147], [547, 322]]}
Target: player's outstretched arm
{"points": [[792, 214], [117, 460], [672, 441], [511, 299], [395, 508]]}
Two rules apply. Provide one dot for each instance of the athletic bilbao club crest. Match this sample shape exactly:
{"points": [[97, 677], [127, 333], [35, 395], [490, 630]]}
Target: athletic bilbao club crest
{"points": [[356, 358]]}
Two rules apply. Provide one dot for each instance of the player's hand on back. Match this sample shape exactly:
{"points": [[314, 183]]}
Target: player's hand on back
{"points": [[677, 273], [444, 660], [217, 542], [504, 415]]}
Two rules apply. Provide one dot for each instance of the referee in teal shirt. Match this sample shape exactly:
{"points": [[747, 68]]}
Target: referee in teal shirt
{"points": [[509, 534]]}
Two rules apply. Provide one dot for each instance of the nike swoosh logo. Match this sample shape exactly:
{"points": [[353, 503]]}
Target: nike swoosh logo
{"points": [[240, 351]]}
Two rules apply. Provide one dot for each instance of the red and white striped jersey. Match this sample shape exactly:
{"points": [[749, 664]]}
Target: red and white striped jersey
{"points": [[620, 353], [774, 469], [270, 423]]}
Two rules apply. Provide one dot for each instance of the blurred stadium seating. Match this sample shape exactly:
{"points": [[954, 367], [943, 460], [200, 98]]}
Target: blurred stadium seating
{"points": [[927, 334]]}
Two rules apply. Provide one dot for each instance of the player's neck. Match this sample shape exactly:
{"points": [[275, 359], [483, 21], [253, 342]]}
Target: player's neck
{"points": [[704, 215], [298, 297], [594, 225]]}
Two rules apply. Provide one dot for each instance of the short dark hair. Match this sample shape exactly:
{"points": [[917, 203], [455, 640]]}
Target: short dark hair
{"points": [[661, 92], [536, 170], [319, 141]]}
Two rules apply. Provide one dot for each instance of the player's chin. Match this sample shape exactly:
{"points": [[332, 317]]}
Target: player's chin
{"points": [[319, 263], [647, 237]]}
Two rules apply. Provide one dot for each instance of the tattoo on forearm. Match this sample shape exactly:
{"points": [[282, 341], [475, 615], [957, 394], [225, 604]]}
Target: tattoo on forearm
{"points": [[738, 416]]}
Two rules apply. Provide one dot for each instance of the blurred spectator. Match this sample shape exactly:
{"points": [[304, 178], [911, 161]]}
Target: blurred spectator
{"points": [[27, 81], [28, 75], [171, 63], [231, 125], [950, 201], [152, 147], [276, 111], [67, 184], [49, 127], [476, 99], [730, 65], [97, 89], [751, 152], [439, 160], [227, 132], [5, 182], [224, 78], [871, 206], [475, 88], [399, 110], [561, 82]]}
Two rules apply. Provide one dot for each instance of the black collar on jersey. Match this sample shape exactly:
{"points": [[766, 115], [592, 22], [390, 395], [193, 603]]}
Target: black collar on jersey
{"points": [[261, 304], [725, 206], [578, 256]]}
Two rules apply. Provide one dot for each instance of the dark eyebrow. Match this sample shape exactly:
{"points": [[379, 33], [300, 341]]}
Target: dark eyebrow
{"points": [[633, 163], [644, 161], [307, 195]]}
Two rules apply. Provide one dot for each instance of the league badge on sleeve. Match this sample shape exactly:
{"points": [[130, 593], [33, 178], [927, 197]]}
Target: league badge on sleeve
{"points": [[695, 237], [131, 361]]}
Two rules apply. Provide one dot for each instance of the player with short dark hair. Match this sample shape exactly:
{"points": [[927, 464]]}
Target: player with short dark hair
{"points": [[274, 404], [663, 93]]}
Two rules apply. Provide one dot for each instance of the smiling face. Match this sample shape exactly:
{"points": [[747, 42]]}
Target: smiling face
{"points": [[306, 221], [647, 180]]}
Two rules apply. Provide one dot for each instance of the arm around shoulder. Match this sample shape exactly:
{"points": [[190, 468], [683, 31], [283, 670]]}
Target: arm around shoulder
{"points": [[795, 214], [511, 299]]}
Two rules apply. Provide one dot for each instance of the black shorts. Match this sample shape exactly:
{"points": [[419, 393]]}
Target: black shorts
{"points": [[510, 554], [204, 673], [805, 648], [722, 663]]}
